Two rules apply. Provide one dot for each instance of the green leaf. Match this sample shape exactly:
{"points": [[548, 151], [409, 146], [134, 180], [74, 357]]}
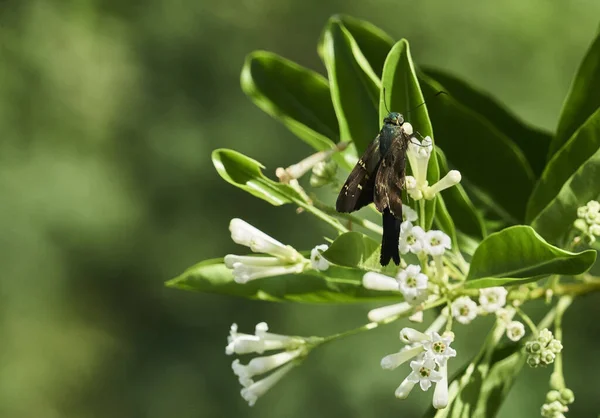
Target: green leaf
{"points": [[580, 147], [519, 252], [335, 285], [486, 157], [460, 207], [354, 249], [374, 43], [557, 218], [479, 389], [532, 141], [245, 173], [354, 85], [583, 98], [403, 92]]}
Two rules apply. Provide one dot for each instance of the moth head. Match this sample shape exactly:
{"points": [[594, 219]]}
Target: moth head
{"points": [[394, 118]]}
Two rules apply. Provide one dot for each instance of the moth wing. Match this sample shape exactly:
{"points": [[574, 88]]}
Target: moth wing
{"points": [[358, 189], [390, 178]]}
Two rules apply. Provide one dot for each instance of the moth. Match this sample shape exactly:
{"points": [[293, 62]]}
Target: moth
{"points": [[378, 178]]}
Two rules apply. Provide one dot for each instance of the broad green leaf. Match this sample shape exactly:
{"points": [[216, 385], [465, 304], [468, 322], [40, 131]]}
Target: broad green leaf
{"points": [[583, 98], [374, 43], [532, 141], [486, 157], [354, 249], [354, 85], [557, 218], [403, 94], [296, 96], [460, 207], [519, 252], [245, 173], [335, 285], [499, 281], [581, 146], [444, 221]]}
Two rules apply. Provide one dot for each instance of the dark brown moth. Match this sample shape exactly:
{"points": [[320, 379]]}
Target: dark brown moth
{"points": [[378, 178]]}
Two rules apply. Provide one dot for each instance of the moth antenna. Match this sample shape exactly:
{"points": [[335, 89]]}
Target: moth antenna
{"points": [[384, 101], [425, 101]]}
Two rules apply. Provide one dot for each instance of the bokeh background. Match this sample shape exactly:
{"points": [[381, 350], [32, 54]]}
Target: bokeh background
{"points": [[108, 113]]}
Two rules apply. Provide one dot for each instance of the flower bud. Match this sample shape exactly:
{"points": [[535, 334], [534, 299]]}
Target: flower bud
{"points": [[567, 396], [555, 346], [552, 396], [547, 356], [534, 360]]}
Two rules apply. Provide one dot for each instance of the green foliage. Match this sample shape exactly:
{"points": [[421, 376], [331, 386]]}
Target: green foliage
{"points": [[519, 252], [336, 285], [354, 249]]}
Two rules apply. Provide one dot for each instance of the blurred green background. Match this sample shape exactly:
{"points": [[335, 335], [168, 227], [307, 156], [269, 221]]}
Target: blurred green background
{"points": [[108, 113]]}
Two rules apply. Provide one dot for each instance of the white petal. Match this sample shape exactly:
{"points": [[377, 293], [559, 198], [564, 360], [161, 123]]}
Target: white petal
{"points": [[245, 234], [390, 362], [231, 259], [257, 389], [404, 389], [440, 394], [425, 384], [451, 179], [408, 214], [243, 273], [377, 281], [317, 260], [386, 312], [411, 335]]}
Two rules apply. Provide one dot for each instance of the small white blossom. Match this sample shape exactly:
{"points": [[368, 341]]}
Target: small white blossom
{"points": [[411, 336], [413, 284], [505, 314], [245, 234], [555, 346], [424, 373], [464, 310], [438, 347], [392, 361], [257, 389], [247, 268], [261, 365], [317, 260], [554, 410], [515, 330], [418, 155], [595, 230], [440, 394], [436, 242], [545, 336], [411, 238], [451, 179], [390, 311], [407, 128], [260, 342], [377, 281], [409, 214], [492, 298], [410, 185]]}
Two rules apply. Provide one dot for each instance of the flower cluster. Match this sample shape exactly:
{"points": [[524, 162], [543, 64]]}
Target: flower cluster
{"points": [[430, 352], [588, 220], [543, 350], [416, 185], [294, 348], [556, 403]]}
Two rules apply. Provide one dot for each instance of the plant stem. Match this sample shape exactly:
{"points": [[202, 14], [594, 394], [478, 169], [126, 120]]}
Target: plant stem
{"points": [[355, 219], [527, 320], [322, 215], [557, 380], [422, 213]]}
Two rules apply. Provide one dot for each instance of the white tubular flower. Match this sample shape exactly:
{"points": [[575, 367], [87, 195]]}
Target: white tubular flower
{"points": [[438, 323], [317, 260], [257, 389], [245, 234], [246, 269], [436, 243], [410, 185], [412, 336], [492, 298], [416, 317], [438, 348], [411, 238], [390, 362], [404, 389], [407, 128], [409, 214], [451, 179], [261, 365], [418, 156], [413, 284], [262, 341], [440, 394], [424, 373], [464, 310], [390, 311], [515, 330], [378, 281]]}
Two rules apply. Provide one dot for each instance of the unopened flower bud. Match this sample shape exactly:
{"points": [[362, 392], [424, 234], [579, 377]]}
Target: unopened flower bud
{"points": [[567, 396], [552, 396]]}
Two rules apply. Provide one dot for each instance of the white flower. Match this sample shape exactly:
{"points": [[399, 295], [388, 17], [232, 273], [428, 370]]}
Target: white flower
{"points": [[595, 230], [505, 314], [464, 309], [515, 330], [440, 394], [410, 185], [260, 342], [317, 260], [391, 361], [411, 238], [245, 234], [257, 389], [407, 128], [247, 268], [451, 179], [413, 284], [436, 242], [492, 298], [418, 155], [378, 281], [411, 336], [438, 347], [261, 365], [553, 410], [424, 373], [390, 311], [408, 214]]}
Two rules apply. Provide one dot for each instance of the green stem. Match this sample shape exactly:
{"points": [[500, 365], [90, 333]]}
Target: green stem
{"points": [[322, 215], [557, 380], [527, 320], [354, 219], [422, 213]]}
